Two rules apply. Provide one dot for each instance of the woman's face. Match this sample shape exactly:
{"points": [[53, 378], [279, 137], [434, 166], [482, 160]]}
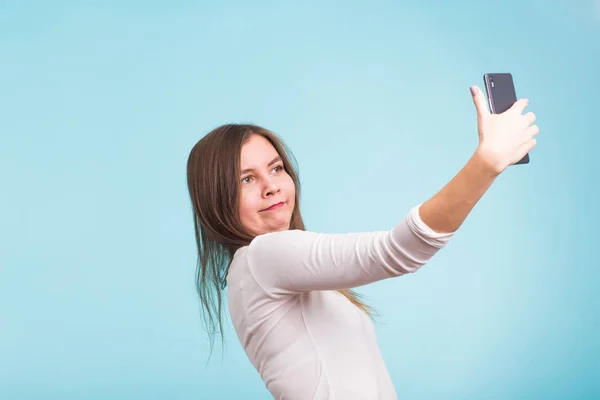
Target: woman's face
{"points": [[267, 192]]}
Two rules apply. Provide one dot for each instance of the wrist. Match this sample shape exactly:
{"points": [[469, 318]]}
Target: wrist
{"points": [[487, 162]]}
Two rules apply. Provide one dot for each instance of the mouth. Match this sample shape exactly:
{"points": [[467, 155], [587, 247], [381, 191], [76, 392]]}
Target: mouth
{"points": [[275, 206]]}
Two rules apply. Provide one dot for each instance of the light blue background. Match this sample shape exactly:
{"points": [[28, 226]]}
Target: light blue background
{"points": [[101, 103]]}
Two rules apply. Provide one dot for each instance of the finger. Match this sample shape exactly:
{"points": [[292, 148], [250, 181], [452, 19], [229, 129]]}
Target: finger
{"points": [[526, 148], [533, 130], [530, 118], [519, 105], [479, 101]]}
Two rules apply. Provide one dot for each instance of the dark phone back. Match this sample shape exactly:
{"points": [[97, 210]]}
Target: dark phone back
{"points": [[500, 90]]}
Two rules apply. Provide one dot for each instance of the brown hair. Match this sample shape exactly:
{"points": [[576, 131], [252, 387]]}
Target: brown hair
{"points": [[213, 170]]}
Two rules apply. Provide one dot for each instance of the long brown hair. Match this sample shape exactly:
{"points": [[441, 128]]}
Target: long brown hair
{"points": [[213, 170]]}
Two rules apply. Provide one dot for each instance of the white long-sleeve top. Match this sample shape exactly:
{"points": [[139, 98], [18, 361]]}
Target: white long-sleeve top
{"points": [[306, 340]]}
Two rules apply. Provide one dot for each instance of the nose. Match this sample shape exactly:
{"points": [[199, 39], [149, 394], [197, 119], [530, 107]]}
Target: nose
{"points": [[271, 188]]}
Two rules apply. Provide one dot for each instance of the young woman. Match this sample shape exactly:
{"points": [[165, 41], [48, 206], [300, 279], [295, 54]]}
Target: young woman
{"points": [[289, 290]]}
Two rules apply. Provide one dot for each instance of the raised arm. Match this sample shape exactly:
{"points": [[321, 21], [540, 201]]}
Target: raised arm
{"points": [[296, 261]]}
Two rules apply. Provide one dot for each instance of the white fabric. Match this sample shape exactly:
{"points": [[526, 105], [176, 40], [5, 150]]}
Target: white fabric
{"points": [[305, 339]]}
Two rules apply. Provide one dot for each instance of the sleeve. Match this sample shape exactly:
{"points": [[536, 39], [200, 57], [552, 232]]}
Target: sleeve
{"points": [[296, 261]]}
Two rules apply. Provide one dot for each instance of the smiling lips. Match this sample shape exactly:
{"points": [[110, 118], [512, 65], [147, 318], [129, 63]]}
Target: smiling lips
{"points": [[274, 206]]}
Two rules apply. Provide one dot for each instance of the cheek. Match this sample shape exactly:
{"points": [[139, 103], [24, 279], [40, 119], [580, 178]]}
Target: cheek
{"points": [[290, 188], [249, 204]]}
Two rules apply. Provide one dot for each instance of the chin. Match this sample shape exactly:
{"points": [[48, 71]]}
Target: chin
{"points": [[284, 226], [280, 227]]}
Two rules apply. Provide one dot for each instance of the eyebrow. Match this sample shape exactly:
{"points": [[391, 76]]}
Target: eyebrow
{"points": [[273, 161]]}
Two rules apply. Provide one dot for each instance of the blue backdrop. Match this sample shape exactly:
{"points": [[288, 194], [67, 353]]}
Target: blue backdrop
{"points": [[101, 103]]}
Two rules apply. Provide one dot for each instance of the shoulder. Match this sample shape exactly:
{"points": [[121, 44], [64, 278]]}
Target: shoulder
{"points": [[292, 248], [274, 248], [262, 263]]}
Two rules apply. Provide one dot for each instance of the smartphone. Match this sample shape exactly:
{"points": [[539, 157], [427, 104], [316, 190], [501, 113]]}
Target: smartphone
{"points": [[501, 94]]}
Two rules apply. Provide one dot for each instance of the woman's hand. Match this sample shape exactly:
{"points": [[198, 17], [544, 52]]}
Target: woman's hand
{"points": [[504, 138]]}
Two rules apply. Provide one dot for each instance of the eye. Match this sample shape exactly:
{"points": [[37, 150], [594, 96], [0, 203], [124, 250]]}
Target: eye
{"points": [[247, 179], [278, 168]]}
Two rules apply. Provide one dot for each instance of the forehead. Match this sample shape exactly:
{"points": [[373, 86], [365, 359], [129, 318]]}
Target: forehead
{"points": [[257, 151]]}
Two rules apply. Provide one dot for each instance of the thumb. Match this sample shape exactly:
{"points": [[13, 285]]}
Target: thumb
{"points": [[479, 101]]}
